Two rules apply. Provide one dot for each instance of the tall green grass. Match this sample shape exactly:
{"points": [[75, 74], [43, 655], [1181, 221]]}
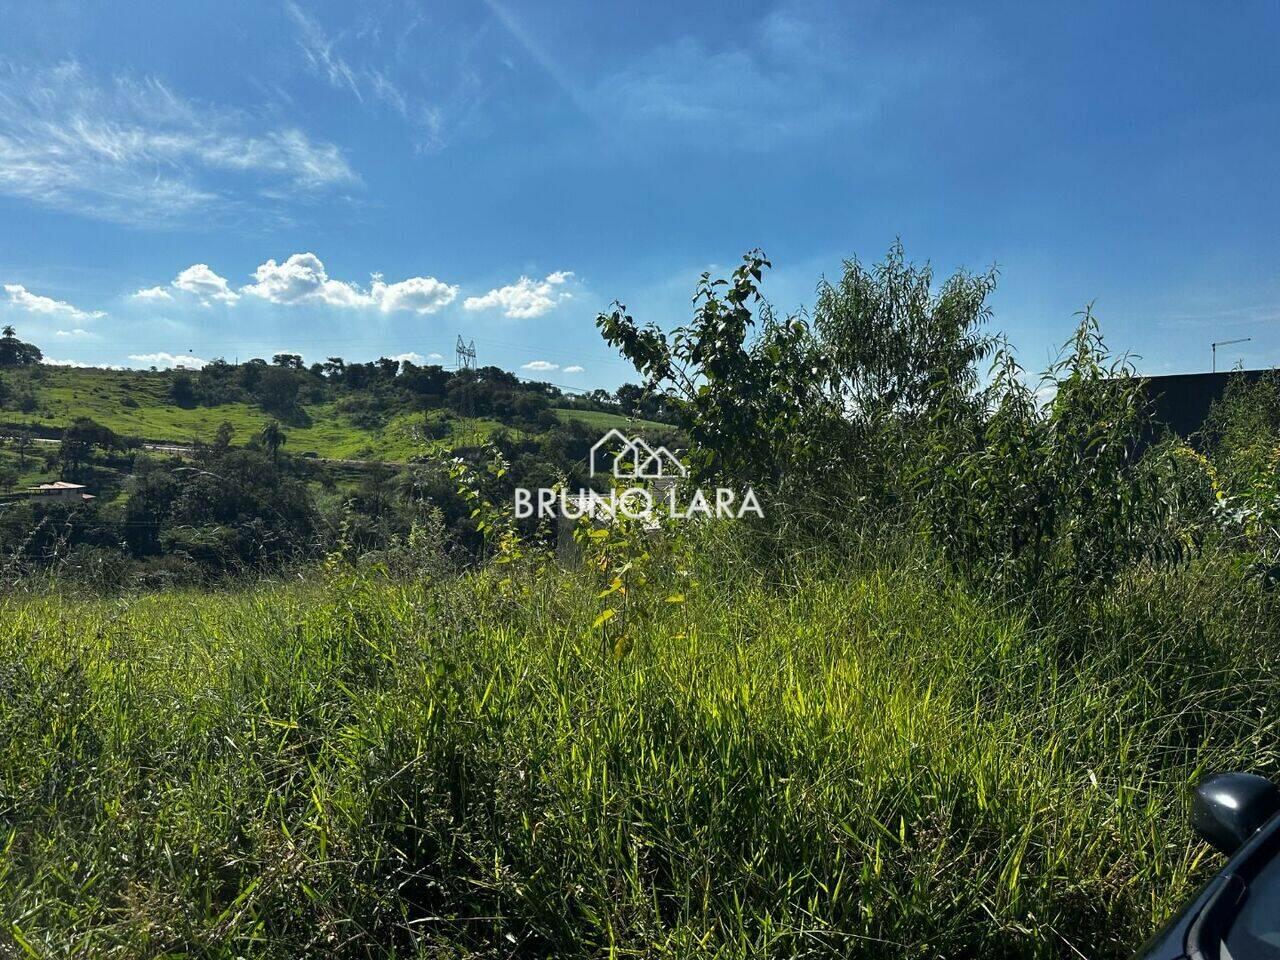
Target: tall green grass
{"points": [[818, 760]]}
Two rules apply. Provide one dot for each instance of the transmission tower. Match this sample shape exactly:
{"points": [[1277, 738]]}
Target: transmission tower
{"points": [[466, 354], [466, 360]]}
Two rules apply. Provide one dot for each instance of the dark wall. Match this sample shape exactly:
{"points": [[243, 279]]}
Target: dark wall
{"points": [[1181, 401]]}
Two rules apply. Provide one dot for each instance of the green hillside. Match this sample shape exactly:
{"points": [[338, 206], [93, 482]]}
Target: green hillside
{"points": [[137, 404]]}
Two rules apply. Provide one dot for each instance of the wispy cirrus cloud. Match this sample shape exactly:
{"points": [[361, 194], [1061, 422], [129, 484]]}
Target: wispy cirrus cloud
{"points": [[367, 74], [797, 72], [134, 151], [34, 303]]}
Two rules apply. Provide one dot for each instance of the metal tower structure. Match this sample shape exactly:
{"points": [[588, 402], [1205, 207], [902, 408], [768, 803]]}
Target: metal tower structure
{"points": [[466, 354], [1223, 343]]}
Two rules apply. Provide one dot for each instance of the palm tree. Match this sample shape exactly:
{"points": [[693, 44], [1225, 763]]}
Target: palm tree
{"points": [[9, 332], [272, 438]]}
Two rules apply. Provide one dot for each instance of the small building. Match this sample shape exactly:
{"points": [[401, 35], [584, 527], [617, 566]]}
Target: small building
{"points": [[59, 490]]}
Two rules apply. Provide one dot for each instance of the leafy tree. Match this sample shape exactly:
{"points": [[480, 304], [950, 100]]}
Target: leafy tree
{"points": [[16, 353], [182, 390], [290, 361], [840, 407], [222, 439], [277, 391], [79, 439], [901, 364], [233, 508], [429, 381], [272, 438], [747, 402], [895, 347]]}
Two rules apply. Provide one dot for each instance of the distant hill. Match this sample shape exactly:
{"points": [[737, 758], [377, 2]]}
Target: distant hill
{"points": [[367, 422]]}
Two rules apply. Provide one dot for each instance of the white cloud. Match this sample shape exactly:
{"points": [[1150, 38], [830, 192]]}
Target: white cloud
{"points": [[24, 299], [435, 356], [79, 364], [795, 73], [77, 332], [369, 76], [152, 294], [526, 297], [540, 366], [410, 357], [134, 151], [200, 280], [170, 360], [420, 294], [574, 369], [302, 278]]}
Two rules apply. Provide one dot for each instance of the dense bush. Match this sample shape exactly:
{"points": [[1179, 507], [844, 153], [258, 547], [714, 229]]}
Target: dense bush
{"points": [[1050, 497]]}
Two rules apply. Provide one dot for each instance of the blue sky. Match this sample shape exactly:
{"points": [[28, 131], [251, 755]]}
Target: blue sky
{"points": [[238, 179]]}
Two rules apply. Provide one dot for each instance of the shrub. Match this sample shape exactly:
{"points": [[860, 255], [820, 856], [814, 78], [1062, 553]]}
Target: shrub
{"points": [[1051, 498]]}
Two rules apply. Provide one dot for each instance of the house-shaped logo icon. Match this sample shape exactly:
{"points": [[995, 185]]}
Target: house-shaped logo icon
{"points": [[630, 458]]}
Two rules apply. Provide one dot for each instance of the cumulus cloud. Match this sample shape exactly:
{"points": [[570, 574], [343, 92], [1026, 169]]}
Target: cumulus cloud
{"points": [[416, 358], [78, 364], [134, 151], [419, 294], [77, 332], [574, 369], [540, 366], [200, 280], [170, 360], [302, 278], [152, 294], [526, 297], [24, 299]]}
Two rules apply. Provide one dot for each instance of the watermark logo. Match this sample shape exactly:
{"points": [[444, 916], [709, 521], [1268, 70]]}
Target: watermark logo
{"points": [[657, 490], [630, 458]]}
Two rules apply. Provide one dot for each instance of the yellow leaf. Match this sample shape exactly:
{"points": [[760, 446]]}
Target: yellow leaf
{"points": [[604, 618]]}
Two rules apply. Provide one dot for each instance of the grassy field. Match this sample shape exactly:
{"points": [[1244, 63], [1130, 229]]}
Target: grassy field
{"points": [[606, 421], [135, 403], [849, 760]]}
